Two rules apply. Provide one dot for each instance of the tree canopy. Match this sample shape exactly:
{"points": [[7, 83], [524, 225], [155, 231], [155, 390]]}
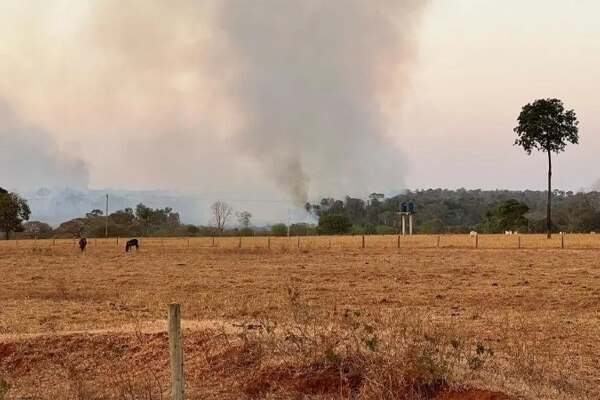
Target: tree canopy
{"points": [[545, 125], [13, 211]]}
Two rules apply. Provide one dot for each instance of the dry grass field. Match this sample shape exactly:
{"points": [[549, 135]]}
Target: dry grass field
{"points": [[328, 320]]}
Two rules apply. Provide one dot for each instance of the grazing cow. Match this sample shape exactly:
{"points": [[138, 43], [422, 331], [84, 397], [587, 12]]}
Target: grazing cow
{"points": [[132, 243], [473, 234], [82, 244]]}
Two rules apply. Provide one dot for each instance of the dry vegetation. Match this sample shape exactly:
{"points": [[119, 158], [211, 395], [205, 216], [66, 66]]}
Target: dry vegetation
{"points": [[327, 321]]}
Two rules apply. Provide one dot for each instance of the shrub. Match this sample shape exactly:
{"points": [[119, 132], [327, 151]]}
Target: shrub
{"points": [[335, 224]]}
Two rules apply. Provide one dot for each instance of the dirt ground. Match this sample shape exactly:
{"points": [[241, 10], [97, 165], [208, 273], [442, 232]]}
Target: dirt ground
{"points": [[310, 323]]}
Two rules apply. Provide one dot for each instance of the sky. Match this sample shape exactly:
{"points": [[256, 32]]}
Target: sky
{"points": [[291, 100]]}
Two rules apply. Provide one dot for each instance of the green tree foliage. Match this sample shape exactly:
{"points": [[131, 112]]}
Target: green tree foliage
{"points": [[13, 211], [244, 218], [546, 126], [509, 216], [335, 224], [299, 229], [464, 210], [432, 226], [279, 230]]}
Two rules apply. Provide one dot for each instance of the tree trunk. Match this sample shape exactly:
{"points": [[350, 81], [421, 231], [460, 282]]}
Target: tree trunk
{"points": [[549, 206]]}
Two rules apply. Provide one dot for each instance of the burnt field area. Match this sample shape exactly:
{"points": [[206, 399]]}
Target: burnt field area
{"points": [[308, 323]]}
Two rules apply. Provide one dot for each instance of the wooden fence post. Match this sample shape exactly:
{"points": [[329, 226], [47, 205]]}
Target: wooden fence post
{"points": [[188, 241], [476, 241], [240, 244], [562, 241], [298, 241], [117, 241], [398, 241], [53, 241], [269, 243], [213, 241], [329, 242], [519, 242], [176, 352], [363, 241], [438, 241]]}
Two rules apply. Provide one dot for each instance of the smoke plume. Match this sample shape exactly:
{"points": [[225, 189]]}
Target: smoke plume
{"points": [[214, 94], [30, 158], [312, 76]]}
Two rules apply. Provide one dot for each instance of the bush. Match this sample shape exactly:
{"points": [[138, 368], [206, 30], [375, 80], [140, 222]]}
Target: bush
{"points": [[385, 230], [432, 226], [335, 224], [279, 230], [246, 232], [298, 229]]}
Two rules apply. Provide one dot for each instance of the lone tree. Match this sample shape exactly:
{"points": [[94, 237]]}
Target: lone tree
{"points": [[545, 125], [244, 218], [221, 212], [13, 211]]}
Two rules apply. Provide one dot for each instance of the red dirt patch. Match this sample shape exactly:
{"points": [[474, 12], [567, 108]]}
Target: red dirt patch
{"points": [[471, 394], [308, 381]]}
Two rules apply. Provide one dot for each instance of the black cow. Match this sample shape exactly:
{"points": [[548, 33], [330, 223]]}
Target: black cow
{"points": [[82, 244], [132, 243]]}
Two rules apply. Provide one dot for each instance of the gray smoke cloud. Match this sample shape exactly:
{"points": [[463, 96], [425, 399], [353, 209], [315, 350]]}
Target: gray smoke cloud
{"points": [[311, 79], [29, 157], [202, 95]]}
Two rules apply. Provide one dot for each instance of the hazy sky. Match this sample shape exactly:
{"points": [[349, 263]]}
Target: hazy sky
{"points": [[287, 98]]}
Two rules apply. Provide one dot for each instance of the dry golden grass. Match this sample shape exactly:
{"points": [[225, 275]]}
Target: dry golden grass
{"points": [[523, 241], [315, 322]]}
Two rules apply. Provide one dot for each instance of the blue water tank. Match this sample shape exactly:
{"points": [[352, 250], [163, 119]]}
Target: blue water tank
{"points": [[404, 207]]}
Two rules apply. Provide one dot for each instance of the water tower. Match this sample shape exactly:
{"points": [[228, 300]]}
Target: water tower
{"points": [[407, 210]]}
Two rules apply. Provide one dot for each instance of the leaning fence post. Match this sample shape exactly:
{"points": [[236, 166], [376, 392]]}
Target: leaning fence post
{"points": [[176, 352]]}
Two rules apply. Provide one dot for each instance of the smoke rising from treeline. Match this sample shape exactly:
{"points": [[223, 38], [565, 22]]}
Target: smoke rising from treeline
{"points": [[299, 90]]}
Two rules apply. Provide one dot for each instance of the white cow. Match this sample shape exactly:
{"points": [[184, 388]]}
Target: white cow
{"points": [[473, 234]]}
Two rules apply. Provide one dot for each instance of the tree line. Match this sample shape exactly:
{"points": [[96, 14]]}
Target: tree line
{"points": [[437, 211]]}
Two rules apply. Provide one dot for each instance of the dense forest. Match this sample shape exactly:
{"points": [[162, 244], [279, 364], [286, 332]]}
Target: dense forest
{"points": [[437, 211], [462, 210]]}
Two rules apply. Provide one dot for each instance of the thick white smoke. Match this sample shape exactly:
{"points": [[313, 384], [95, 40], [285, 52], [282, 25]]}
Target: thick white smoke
{"points": [[188, 92], [29, 158]]}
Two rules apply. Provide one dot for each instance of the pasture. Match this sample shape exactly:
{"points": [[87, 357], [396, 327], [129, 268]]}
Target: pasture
{"points": [[435, 318]]}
